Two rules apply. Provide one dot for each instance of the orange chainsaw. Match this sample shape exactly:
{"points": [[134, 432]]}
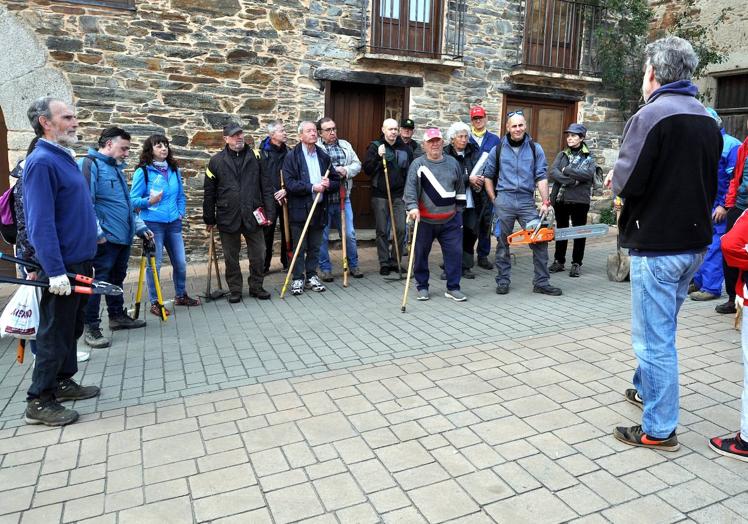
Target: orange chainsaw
{"points": [[536, 231]]}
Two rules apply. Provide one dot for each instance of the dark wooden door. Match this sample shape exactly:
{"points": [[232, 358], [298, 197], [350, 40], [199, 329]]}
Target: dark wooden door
{"points": [[5, 268], [546, 121], [358, 111], [407, 27]]}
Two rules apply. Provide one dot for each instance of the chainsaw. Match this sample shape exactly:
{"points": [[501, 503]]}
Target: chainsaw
{"points": [[538, 231]]}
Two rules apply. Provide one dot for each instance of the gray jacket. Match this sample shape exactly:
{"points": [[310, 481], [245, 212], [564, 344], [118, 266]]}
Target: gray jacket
{"points": [[352, 163], [572, 176]]}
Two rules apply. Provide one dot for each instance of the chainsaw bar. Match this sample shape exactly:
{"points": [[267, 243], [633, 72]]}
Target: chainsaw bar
{"points": [[592, 230]]}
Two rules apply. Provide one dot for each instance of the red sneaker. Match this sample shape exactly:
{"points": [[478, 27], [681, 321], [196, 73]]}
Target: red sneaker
{"points": [[736, 447]]}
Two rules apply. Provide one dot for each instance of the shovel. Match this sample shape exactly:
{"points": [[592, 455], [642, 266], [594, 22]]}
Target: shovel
{"points": [[618, 263], [213, 262]]}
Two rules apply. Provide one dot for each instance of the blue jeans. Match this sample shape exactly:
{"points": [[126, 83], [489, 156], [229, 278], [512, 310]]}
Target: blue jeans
{"points": [[333, 220], [169, 235], [110, 265], [658, 287]]}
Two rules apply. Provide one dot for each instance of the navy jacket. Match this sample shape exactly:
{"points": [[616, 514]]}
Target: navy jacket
{"points": [[299, 188], [60, 218]]}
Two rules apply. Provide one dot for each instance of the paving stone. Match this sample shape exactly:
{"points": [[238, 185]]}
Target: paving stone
{"points": [[389, 500], [482, 456], [655, 510], [221, 460], [608, 487], [421, 476], [403, 516], [19, 476], [550, 474], [325, 469], [452, 460], [361, 513], [123, 500], [443, 501], [172, 510], [60, 457], [582, 499], [502, 430], [42, 515], [519, 479], [221, 481], [228, 503], [692, 495], [294, 503], [268, 462], [338, 491], [539, 506], [283, 480], [172, 449], [52, 481], [403, 456], [371, 475], [644, 482], [166, 490], [271, 437], [124, 479], [69, 493], [485, 487]]}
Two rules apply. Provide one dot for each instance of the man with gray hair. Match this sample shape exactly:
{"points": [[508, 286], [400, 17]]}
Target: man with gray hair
{"points": [[665, 174], [61, 225]]}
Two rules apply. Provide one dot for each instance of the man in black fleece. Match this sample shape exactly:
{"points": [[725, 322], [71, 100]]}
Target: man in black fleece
{"points": [[665, 174]]}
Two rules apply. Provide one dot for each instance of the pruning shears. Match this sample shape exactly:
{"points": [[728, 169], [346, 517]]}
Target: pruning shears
{"points": [[91, 287]]}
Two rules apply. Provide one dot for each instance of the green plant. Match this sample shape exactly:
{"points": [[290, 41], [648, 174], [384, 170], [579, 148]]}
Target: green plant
{"points": [[608, 216]]}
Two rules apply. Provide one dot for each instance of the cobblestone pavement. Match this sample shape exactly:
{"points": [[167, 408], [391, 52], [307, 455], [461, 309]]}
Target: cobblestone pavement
{"points": [[336, 407]]}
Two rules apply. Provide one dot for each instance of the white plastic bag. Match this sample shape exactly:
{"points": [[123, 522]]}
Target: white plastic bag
{"points": [[20, 318]]}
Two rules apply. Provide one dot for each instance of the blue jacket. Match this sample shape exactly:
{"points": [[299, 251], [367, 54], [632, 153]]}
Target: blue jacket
{"points": [[727, 161], [519, 171], [111, 199], [173, 204], [490, 141], [60, 219]]}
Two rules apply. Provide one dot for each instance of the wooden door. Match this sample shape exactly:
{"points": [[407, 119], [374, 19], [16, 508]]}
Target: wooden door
{"points": [[546, 121], [358, 111], [407, 27], [5, 268]]}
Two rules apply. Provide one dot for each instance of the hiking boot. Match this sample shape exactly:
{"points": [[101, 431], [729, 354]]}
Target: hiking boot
{"points": [[467, 273], [484, 263], [185, 300], [82, 356], [456, 295], [315, 284], [94, 338], [423, 294], [547, 290], [635, 436], [703, 296], [124, 322], [156, 310], [632, 395], [727, 308], [259, 293], [68, 389], [443, 276], [355, 272], [235, 297], [297, 287], [576, 270], [327, 277], [556, 267], [693, 287], [49, 413], [736, 447], [502, 289], [384, 270]]}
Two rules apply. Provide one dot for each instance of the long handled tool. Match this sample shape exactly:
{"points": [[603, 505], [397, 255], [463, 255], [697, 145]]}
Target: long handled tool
{"points": [[213, 262], [149, 251], [286, 225], [411, 258], [91, 285], [300, 240], [343, 238], [618, 263], [392, 218]]}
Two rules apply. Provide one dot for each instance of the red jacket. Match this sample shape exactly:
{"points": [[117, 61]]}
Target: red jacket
{"points": [[735, 249], [737, 179]]}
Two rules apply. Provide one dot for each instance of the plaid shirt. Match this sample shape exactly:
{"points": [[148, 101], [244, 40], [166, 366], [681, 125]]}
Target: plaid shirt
{"points": [[337, 157]]}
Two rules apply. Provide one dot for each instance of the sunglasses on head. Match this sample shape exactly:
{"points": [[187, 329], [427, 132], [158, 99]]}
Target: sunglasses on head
{"points": [[517, 112]]}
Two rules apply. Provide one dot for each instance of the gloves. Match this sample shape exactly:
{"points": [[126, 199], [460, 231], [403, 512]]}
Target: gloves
{"points": [[145, 234], [59, 285]]}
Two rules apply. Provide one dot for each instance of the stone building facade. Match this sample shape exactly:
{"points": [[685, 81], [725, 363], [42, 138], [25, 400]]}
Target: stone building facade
{"points": [[186, 67]]}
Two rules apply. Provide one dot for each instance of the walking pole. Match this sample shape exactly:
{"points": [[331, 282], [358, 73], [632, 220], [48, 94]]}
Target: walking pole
{"points": [[149, 249], [141, 278], [286, 226], [215, 263], [392, 218], [343, 239], [301, 239], [411, 258], [211, 247]]}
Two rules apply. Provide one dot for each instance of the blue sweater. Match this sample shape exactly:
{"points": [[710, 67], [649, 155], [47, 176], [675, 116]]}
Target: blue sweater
{"points": [[60, 218], [111, 199], [173, 203]]}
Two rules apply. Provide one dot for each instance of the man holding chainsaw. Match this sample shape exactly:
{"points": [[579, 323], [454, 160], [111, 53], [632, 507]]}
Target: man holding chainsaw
{"points": [[61, 225], [513, 169]]}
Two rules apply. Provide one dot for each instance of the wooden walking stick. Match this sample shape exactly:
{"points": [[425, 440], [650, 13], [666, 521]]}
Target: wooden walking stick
{"points": [[392, 218], [301, 239], [286, 226], [213, 262], [411, 258], [343, 239]]}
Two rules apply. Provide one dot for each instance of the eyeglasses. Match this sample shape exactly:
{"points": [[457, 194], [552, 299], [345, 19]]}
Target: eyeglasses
{"points": [[517, 112], [329, 129]]}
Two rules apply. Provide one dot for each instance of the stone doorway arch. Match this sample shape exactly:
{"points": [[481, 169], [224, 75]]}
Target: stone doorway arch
{"points": [[25, 74]]}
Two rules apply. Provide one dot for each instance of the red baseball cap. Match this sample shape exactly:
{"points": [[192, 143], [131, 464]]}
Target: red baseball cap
{"points": [[477, 111], [432, 133]]}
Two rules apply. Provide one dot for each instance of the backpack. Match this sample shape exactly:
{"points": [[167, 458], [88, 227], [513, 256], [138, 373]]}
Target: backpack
{"points": [[86, 168], [8, 225]]}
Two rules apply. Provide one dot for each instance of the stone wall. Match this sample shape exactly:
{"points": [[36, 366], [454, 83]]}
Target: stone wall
{"points": [[185, 67]]}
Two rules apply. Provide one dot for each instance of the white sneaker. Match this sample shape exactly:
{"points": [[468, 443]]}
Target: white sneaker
{"points": [[83, 356], [423, 294], [456, 295], [297, 287], [316, 284]]}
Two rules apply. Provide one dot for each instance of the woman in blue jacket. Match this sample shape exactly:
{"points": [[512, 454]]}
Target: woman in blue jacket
{"points": [[158, 192]]}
